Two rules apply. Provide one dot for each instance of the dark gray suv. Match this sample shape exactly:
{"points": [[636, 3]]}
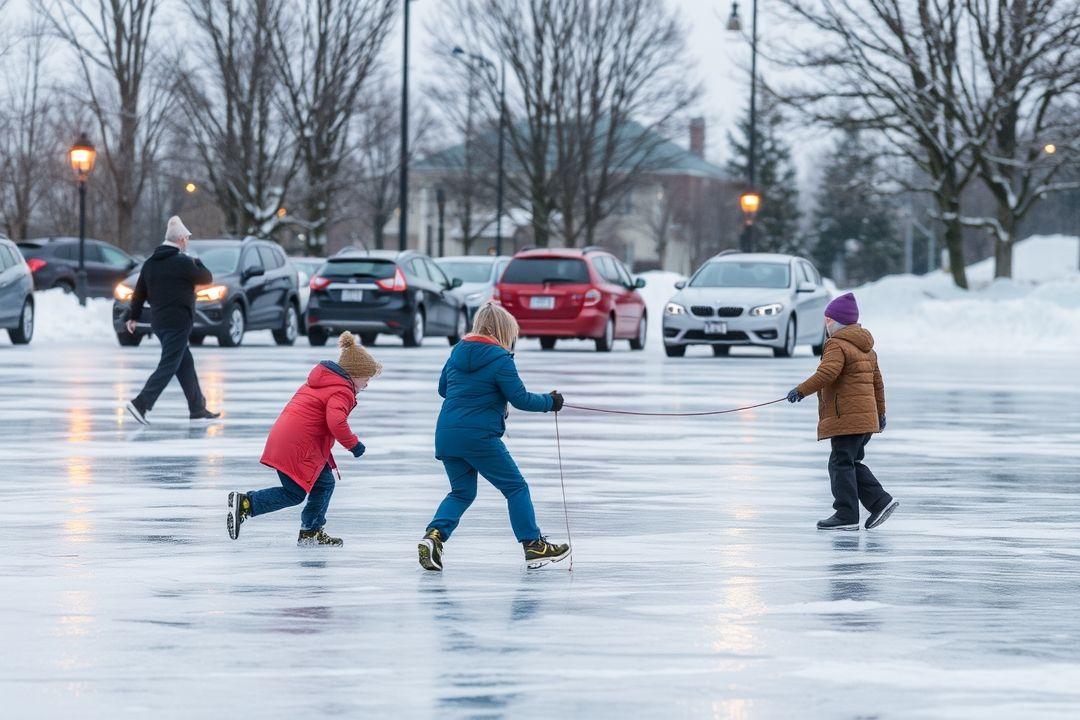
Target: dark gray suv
{"points": [[16, 294]]}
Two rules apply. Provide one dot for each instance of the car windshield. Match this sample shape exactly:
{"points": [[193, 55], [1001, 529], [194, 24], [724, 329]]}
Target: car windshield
{"points": [[729, 274], [361, 268], [218, 259], [538, 271], [469, 272]]}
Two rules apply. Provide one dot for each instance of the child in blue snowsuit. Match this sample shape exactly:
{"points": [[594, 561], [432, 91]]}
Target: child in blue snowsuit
{"points": [[477, 382]]}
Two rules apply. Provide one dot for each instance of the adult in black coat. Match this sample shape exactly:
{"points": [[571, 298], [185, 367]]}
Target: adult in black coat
{"points": [[167, 280]]}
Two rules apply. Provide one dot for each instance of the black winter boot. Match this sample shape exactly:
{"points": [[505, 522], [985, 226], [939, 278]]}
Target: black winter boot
{"points": [[835, 523], [310, 538], [540, 552], [239, 511], [881, 515], [430, 550]]}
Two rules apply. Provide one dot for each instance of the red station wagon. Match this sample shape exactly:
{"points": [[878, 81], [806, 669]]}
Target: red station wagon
{"points": [[570, 293]]}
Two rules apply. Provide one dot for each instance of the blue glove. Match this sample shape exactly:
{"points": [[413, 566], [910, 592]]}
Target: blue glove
{"points": [[881, 421], [359, 449], [794, 396]]}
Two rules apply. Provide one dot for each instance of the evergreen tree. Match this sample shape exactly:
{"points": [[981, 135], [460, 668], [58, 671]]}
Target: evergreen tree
{"points": [[777, 223], [855, 234]]}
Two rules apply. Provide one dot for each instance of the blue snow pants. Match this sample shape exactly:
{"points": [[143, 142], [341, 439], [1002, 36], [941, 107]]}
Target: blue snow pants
{"points": [[498, 468], [313, 516]]}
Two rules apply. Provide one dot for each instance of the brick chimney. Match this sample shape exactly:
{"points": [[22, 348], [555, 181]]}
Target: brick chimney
{"points": [[697, 136]]}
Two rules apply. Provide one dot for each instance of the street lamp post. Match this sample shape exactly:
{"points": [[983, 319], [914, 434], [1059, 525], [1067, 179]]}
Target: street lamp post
{"points": [[500, 182], [82, 156], [746, 241], [440, 201], [403, 189]]}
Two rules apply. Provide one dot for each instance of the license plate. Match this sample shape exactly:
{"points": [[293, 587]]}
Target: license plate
{"points": [[352, 296], [716, 328], [542, 302]]}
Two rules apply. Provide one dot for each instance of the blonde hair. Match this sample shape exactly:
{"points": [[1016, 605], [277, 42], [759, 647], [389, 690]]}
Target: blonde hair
{"points": [[495, 322]]}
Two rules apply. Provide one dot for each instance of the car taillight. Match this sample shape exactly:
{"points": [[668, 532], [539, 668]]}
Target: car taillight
{"points": [[319, 283], [394, 284], [592, 297], [36, 264]]}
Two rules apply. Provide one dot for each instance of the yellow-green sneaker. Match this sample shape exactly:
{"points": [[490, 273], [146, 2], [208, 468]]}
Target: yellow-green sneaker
{"points": [[540, 552], [430, 550]]}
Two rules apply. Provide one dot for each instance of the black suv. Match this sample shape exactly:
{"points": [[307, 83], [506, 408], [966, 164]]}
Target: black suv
{"points": [[254, 288], [55, 264], [383, 291]]}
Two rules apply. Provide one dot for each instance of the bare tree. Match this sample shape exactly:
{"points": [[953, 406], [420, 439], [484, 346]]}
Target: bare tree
{"points": [[325, 59], [1028, 54], [113, 42], [25, 135], [894, 67], [234, 104], [591, 87]]}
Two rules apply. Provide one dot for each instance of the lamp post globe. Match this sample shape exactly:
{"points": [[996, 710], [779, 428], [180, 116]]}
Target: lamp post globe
{"points": [[82, 156]]}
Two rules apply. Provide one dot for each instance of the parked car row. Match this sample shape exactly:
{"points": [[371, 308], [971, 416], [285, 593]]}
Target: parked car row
{"points": [[54, 262]]}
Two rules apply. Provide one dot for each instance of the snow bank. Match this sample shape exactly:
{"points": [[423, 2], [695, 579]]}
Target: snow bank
{"points": [[1038, 311], [659, 288], [60, 318]]}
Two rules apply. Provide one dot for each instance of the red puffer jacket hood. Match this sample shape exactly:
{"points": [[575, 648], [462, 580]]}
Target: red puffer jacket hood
{"points": [[299, 444]]}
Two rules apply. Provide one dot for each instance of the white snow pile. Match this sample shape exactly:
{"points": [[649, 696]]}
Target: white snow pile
{"points": [[58, 317], [1036, 311], [659, 288]]}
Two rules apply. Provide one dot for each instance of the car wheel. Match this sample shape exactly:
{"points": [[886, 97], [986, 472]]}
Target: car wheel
{"points": [[461, 329], [721, 350], [196, 339], [234, 328], [127, 339], [675, 350], [66, 285], [317, 336], [291, 329], [789, 340], [638, 342], [414, 336], [819, 349], [547, 343], [24, 331], [368, 339], [604, 342]]}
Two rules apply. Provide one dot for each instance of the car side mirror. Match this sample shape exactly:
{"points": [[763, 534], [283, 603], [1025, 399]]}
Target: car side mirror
{"points": [[456, 283], [639, 283], [254, 273], [806, 287], [680, 285]]}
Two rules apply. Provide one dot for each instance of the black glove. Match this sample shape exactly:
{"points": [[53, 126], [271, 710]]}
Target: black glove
{"points": [[359, 449], [794, 396], [557, 401], [881, 421]]}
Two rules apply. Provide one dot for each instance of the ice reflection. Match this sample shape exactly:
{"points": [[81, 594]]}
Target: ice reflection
{"points": [[852, 580], [78, 429]]}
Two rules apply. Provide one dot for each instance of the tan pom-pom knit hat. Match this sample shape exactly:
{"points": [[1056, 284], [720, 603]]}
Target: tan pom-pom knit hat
{"points": [[355, 360]]}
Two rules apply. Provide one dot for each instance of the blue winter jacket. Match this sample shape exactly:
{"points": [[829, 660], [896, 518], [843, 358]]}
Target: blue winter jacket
{"points": [[477, 382]]}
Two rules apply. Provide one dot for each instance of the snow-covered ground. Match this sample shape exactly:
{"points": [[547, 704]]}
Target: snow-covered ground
{"points": [[700, 586]]}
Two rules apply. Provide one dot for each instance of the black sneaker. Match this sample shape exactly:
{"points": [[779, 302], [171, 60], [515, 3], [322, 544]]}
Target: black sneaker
{"points": [[239, 511], [138, 412], [881, 515], [539, 553], [835, 523], [430, 550], [205, 414], [310, 538]]}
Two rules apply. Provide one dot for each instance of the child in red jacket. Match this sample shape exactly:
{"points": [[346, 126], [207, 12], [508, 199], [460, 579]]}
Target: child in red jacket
{"points": [[300, 442]]}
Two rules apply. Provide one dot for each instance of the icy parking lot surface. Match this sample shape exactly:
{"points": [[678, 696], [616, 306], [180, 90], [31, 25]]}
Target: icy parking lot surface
{"points": [[700, 586]]}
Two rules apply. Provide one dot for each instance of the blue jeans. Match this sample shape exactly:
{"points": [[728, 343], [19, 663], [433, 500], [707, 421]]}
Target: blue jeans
{"points": [[275, 498], [501, 471]]}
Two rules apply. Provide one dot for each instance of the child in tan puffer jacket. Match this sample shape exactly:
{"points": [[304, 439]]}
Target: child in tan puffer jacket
{"points": [[851, 408]]}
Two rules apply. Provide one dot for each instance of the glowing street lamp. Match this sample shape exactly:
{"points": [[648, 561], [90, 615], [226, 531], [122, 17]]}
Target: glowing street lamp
{"points": [[1049, 148], [190, 188], [82, 156], [750, 201]]}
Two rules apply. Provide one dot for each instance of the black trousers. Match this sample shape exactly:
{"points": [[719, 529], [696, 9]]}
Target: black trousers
{"points": [[852, 482], [175, 360]]}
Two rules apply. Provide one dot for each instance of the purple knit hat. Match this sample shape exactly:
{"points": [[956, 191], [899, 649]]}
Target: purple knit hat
{"points": [[843, 310]]}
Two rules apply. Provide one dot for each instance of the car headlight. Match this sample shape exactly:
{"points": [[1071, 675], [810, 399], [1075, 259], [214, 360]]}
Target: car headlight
{"points": [[674, 309], [123, 293], [476, 297], [212, 293], [766, 310]]}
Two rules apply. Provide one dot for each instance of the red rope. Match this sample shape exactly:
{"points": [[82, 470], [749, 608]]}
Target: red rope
{"points": [[609, 411]]}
